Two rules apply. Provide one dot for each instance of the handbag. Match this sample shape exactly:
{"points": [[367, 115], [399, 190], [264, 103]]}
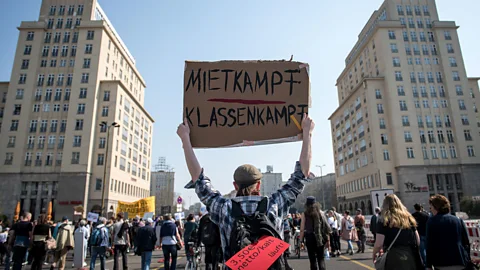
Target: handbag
{"points": [[382, 259], [50, 244]]}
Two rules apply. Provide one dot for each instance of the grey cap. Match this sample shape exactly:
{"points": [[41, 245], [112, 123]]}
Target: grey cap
{"points": [[247, 175]]}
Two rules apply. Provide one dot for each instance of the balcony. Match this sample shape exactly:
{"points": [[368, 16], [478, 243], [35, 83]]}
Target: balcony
{"points": [[28, 162], [75, 161], [60, 145], [30, 146], [406, 124], [48, 162], [38, 162], [58, 162], [451, 51], [420, 124], [448, 124], [43, 129], [40, 146], [10, 145], [8, 161]]}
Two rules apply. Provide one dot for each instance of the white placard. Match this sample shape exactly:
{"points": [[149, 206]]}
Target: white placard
{"points": [[93, 217]]}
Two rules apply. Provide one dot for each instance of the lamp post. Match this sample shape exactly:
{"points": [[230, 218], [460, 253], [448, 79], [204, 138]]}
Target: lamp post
{"points": [[322, 186], [106, 125]]}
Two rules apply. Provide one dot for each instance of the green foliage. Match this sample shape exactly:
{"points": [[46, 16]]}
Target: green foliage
{"points": [[471, 207]]}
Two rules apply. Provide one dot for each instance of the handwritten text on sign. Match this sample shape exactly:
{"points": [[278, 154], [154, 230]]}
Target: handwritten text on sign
{"points": [[229, 102], [258, 256]]}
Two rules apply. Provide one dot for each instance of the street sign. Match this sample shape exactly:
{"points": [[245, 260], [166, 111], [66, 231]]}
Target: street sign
{"points": [[179, 200], [377, 197]]}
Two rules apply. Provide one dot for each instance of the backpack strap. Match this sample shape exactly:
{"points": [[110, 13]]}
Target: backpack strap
{"points": [[236, 209], [262, 206]]}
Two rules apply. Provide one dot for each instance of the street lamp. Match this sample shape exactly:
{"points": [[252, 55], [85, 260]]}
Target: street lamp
{"points": [[323, 190], [106, 125]]}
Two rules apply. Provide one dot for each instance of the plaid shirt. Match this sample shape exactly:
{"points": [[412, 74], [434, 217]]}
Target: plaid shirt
{"points": [[220, 208]]}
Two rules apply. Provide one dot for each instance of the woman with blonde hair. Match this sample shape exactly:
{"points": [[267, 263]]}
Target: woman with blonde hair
{"points": [[397, 235]]}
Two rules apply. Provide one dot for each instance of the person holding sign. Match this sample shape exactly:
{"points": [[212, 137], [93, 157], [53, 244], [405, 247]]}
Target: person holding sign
{"points": [[247, 179]]}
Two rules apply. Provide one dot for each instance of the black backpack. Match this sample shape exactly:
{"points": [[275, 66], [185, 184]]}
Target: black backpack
{"points": [[210, 232], [248, 229]]}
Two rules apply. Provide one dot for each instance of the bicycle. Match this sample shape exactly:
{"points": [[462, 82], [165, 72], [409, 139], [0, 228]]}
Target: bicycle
{"points": [[297, 243], [194, 258]]}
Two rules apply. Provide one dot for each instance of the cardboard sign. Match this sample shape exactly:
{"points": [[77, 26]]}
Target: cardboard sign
{"points": [[93, 217], [137, 208], [258, 256], [240, 103]]}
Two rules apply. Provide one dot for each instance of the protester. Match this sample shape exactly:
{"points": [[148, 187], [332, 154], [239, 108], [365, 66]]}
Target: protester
{"points": [[316, 231], [145, 243], [397, 228], [333, 223], [65, 242], [82, 228], [447, 239], [190, 233], [287, 228], [373, 223], [209, 235], [422, 218], [3, 244], [41, 232], [99, 242], [360, 226], [169, 238], [121, 241], [21, 233], [349, 233], [247, 179], [337, 239], [133, 231]]}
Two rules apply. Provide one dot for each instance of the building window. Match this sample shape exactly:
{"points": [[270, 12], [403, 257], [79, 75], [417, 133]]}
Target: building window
{"points": [[396, 61], [81, 108], [22, 79], [410, 153], [382, 123], [88, 48], [391, 34], [453, 151], [86, 63], [403, 105], [443, 152], [447, 35], [75, 157], [471, 151], [433, 151], [408, 136], [77, 141], [83, 93], [378, 94], [450, 48], [380, 108], [398, 76], [389, 179], [98, 184], [456, 76], [80, 10], [400, 90], [79, 124], [25, 64], [405, 121], [90, 35], [465, 121], [30, 36], [424, 152], [105, 111], [384, 139], [386, 155], [106, 96], [102, 143], [100, 159], [8, 158], [85, 77]]}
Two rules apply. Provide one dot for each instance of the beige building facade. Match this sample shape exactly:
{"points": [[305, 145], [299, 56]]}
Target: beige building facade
{"points": [[73, 112], [407, 118]]}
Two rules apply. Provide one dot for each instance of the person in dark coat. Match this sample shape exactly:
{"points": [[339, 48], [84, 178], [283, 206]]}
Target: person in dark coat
{"points": [[373, 223], [145, 243], [447, 238]]}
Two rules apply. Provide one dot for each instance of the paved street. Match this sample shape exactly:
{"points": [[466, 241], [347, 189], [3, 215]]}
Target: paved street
{"points": [[346, 262]]}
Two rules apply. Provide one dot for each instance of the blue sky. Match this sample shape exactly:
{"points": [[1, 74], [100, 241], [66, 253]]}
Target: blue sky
{"points": [[161, 35]]}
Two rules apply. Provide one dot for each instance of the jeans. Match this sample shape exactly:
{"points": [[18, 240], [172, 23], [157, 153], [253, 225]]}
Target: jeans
{"points": [[19, 254], [146, 260], [98, 251], [170, 250], [120, 249], [38, 253], [423, 251], [350, 246], [315, 253]]}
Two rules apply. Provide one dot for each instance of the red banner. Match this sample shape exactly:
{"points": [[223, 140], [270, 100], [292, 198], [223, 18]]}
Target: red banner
{"points": [[260, 255]]}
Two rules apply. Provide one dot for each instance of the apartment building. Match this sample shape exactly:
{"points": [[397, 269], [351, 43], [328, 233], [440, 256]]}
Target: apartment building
{"points": [[73, 115], [407, 118], [162, 187], [271, 182]]}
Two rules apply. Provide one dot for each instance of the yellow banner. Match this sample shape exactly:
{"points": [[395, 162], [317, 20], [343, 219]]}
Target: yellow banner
{"points": [[137, 208]]}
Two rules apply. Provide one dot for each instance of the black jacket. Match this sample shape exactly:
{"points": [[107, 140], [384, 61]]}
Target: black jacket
{"points": [[145, 239], [447, 241]]}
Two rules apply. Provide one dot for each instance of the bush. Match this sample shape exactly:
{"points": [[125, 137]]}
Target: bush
{"points": [[471, 207]]}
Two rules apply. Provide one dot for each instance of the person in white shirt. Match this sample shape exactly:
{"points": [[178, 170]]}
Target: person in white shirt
{"points": [[334, 224], [86, 234]]}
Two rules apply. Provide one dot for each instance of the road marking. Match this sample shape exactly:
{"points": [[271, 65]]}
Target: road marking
{"points": [[357, 262]]}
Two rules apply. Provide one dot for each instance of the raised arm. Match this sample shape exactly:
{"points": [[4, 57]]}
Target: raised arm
{"points": [[306, 154], [183, 131]]}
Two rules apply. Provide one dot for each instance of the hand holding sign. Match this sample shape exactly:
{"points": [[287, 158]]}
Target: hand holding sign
{"points": [[183, 130], [307, 124]]}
